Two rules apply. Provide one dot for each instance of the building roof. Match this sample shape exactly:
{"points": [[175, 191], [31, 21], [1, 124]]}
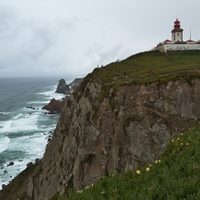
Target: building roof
{"points": [[188, 41], [167, 40]]}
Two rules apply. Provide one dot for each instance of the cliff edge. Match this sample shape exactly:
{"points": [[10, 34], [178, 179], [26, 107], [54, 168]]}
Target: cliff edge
{"points": [[111, 123]]}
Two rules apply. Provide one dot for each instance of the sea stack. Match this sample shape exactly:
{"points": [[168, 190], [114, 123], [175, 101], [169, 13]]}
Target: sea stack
{"points": [[62, 87]]}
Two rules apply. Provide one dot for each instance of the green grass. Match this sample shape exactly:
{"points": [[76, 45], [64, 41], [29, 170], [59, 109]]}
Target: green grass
{"points": [[145, 68], [175, 175], [149, 67]]}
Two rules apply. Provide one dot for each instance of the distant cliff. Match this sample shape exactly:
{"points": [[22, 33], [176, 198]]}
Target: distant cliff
{"points": [[62, 87], [109, 127]]}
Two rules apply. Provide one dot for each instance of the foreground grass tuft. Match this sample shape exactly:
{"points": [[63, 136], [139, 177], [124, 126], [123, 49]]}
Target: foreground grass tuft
{"points": [[175, 175]]}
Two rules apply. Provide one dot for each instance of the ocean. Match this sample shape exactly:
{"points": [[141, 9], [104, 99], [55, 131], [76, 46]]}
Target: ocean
{"points": [[24, 126]]}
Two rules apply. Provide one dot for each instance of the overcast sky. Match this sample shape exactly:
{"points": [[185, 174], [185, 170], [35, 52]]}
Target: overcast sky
{"points": [[69, 38]]}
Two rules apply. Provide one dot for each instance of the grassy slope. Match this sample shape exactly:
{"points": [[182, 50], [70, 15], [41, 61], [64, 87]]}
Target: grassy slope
{"points": [[174, 176], [149, 67]]}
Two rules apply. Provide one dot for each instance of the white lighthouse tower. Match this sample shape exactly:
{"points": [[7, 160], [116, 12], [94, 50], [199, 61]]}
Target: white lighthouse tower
{"points": [[177, 32]]}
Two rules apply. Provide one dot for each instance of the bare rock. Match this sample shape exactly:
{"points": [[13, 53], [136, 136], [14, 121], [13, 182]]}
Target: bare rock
{"points": [[129, 127], [55, 106], [62, 87]]}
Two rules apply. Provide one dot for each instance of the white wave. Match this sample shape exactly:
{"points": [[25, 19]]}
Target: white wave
{"points": [[21, 122], [4, 142], [8, 173], [38, 102], [17, 116], [4, 113], [33, 146], [52, 94]]}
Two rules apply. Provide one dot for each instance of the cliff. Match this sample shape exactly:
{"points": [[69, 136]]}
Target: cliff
{"points": [[109, 125]]}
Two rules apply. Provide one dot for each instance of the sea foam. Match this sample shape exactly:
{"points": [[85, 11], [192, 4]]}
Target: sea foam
{"points": [[4, 142]]}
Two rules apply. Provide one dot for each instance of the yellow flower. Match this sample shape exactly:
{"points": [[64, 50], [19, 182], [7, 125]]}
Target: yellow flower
{"points": [[187, 144], [178, 138], [172, 140], [87, 187], [149, 165], [156, 161], [181, 143], [79, 191], [147, 169], [137, 171], [159, 160]]}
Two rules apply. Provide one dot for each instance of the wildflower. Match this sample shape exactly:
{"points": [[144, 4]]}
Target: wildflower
{"points": [[87, 187], [147, 169], [137, 171], [181, 133], [149, 165], [79, 191], [103, 192], [157, 161], [178, 138], [187, 144], [172, 140], [182, 144]]}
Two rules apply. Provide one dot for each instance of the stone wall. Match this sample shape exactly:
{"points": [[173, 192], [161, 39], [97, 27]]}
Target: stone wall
{"points": [[178, 47]]}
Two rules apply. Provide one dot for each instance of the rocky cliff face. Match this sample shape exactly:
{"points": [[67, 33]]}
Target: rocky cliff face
{"points": [[129, 127]]}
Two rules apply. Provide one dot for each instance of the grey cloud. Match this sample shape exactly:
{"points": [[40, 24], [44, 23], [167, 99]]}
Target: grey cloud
{"points": [[40, 38]]}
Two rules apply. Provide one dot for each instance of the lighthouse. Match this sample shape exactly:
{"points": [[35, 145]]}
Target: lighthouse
{"points": [[177, 32], [177, 43]]}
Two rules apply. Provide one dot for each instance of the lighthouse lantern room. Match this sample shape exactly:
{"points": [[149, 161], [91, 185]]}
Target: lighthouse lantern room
{"points": [[177, 32]]}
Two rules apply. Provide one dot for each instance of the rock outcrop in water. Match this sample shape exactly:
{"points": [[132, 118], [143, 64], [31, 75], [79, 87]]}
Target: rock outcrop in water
{"points": [[129, 126], [62, 87], [55, 106]]}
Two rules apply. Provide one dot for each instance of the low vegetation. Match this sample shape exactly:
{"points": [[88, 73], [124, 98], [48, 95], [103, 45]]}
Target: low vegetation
{"points": [[175, 175], [149, 67]]}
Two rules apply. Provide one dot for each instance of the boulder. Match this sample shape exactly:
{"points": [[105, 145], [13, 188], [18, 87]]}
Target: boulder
{"points": [[10, 164]]}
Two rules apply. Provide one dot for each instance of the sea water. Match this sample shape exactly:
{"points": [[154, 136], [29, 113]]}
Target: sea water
{"points": [[24, 126]]}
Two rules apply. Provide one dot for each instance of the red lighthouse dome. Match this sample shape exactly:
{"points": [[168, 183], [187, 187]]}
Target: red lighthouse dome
{"points": [[177, 24]]}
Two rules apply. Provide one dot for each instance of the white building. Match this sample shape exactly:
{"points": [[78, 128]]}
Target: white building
{"points": [[177, 32], [176, 43]]}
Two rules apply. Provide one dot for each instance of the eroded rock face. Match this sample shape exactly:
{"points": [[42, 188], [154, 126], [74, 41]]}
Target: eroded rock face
{"points": [[55, 106], [130, 127], [62, 87]]}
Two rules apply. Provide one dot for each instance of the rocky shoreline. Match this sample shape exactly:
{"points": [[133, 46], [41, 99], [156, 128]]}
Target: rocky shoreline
{"points": [[56, 106], [53, 107]]}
